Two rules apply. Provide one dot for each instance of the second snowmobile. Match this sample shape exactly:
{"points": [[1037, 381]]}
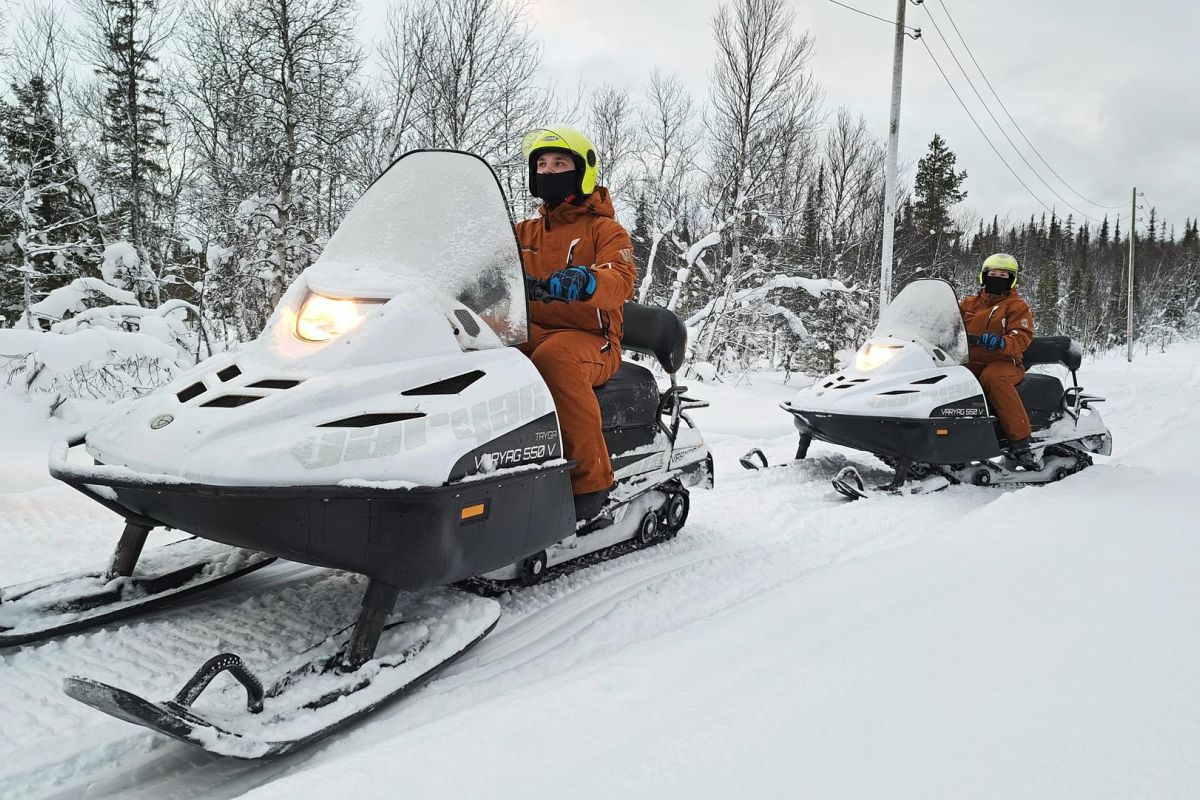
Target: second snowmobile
{"points": [[384, 424], [908, 399]]}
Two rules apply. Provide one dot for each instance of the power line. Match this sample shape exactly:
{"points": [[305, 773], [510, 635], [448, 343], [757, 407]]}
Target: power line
{"points": [[916, 32], [1000, 127], [1009, 115], [980, 128]]}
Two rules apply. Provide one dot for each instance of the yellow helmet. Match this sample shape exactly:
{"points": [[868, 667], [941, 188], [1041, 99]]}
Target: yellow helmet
{"points": [[563, 139], [1000, 261]]}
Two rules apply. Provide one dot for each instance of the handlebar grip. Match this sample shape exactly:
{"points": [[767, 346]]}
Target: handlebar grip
{"points": [[539, 291]]}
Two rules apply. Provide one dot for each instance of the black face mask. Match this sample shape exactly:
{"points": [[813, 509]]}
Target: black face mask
{"points": [[994, 285], [556, 187]]}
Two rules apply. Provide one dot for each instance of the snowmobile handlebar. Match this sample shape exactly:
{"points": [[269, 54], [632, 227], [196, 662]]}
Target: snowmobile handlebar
{"points": [[539, 290]]}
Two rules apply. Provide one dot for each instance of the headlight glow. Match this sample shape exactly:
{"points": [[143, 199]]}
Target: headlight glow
{"points": [[874, 355], [323, 318]]}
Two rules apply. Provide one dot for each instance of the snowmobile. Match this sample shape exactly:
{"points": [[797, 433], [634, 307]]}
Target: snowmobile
{"points": [[908, 399], [383, 423]]}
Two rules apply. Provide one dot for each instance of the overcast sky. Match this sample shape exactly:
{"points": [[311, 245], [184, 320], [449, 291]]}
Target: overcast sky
{"points": [[1106, 90]]}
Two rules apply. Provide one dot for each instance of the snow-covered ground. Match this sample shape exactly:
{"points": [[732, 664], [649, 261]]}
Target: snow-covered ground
{"points": [[1037, 642]]}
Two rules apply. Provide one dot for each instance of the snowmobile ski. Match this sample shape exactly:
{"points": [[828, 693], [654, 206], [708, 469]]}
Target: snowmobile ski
{"points": [[318, 694], [850, 484], [756, 459], [41, 609]]}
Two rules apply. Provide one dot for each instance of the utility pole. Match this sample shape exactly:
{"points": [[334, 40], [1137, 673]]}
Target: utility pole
{"points": [[889, 174], [1129, 309]]}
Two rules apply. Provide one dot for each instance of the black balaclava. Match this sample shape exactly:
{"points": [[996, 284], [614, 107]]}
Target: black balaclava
{"points": [[557, 187], [994, 285]]}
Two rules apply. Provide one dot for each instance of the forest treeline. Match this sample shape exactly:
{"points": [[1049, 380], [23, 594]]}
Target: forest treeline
{"points": [[192, 157]]}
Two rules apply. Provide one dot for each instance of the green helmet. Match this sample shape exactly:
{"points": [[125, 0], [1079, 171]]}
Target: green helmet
{"points": [[564, 139], [1000, 261]]}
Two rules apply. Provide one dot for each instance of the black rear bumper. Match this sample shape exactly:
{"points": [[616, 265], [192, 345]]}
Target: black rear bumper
{"points": [[929, 441], [408, 538]]}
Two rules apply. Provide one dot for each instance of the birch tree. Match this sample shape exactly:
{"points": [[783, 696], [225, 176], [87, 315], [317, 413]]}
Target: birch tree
{"points": [[763, 104]]}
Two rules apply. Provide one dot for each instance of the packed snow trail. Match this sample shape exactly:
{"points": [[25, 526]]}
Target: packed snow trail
{"points": [[1036, 643]]}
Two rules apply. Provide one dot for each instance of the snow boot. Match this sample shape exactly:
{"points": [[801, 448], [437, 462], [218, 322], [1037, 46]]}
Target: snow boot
{"points": [[588, 505], [1025, 457]]}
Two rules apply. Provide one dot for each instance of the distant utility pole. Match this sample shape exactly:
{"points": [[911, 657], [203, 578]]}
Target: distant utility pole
{"points": [[1129, 315], [889, 174]]}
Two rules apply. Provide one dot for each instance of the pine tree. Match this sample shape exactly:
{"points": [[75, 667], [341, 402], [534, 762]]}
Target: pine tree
{"points": [[1077, 307], [48, 234], [1054, 236], [134, 125], [641, 233], [1046, 296], [811, 231], [836, 321], [1191, 235], [937, 188]]}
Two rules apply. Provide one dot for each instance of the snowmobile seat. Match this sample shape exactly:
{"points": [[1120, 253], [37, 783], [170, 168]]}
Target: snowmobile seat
{"points": [[1053, 350], [1043, 398], [629, 408], [655, 332], [629, 398]]}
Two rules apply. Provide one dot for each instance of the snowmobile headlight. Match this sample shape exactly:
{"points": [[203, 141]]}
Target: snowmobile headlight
{"points": [[874, 355], [323, 318]]}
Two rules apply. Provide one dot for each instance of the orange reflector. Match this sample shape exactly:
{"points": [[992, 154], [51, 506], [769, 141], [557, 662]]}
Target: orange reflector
{"points": [[943, 432], [470, 512]]}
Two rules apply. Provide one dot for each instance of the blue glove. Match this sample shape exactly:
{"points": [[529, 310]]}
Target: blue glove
{"points": [[992, 341], [572, 283]]}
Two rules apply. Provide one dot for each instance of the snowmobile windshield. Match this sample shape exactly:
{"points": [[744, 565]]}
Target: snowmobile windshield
{"points": [[435, 221], [926, 312]]}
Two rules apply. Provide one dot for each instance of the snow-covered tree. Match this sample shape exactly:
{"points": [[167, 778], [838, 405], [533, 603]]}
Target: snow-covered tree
{"points": [[464, 74], [126, 40], [763, 108], [48, 230], [276, 118]]}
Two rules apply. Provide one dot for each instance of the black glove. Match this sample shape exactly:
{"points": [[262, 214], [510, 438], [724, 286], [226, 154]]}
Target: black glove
{"points": [[572, 283]]}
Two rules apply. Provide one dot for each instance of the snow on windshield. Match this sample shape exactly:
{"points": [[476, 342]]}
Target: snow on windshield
{"points": [[437, 219], [926, 312]]}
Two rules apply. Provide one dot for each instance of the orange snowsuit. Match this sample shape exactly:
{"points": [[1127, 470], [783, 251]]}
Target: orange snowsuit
{"points": [[999, 371], [577, 346]]}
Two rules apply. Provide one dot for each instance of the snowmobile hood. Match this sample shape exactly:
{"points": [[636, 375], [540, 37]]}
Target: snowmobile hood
{"points": [[245, 421], [894, 378], [910, 367], [416, 388]]}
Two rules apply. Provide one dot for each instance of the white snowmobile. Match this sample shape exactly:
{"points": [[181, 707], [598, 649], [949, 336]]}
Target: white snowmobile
{"points": [[383, 424], [908, 399]]}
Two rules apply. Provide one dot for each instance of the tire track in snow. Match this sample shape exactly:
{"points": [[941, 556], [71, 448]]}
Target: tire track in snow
{"points": [[551, 629]]}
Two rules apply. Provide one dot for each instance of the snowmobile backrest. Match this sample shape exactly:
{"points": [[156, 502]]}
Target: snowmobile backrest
{"points": [[1053, 350], [656, 332]]}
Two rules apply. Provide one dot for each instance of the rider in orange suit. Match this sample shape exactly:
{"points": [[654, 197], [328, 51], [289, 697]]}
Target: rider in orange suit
{"points": [[584, 257], [1001, 327]]}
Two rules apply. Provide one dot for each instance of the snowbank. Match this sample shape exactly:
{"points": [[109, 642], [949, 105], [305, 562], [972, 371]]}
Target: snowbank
{"points": [[92, 363], [76, 296]]}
